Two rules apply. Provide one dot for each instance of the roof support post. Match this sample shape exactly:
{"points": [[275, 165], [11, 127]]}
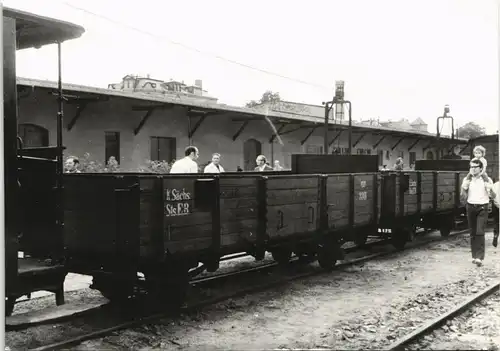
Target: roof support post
{"points": [[415, 143], [277, 133], [336, 137], [243, 126], [197, 125], [308, 135], [399, 141], [148, 114], [378, 142], [359, 139], [79, 109]]}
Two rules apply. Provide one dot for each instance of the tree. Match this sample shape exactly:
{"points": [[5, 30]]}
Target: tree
{"points": [[470, 130], [267, 97]]}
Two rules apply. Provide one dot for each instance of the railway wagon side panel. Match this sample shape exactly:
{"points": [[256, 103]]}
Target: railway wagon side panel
{"points": [[427, 191], [89, 215], [338, 200], [364, 197], [188, 210], [101, 217], [292, 205], [410, 196], [446, 184], [238, 211]]}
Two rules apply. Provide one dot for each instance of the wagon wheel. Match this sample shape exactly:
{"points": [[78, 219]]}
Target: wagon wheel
{"points": [[445, 230], [9, 305], [168, 287], [281, 255], [305, 257], [113, 289], [411, 233], [328, 254], [399, 238]]}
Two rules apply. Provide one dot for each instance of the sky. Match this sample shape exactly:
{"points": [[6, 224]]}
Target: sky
{"points": [[398, 58]]}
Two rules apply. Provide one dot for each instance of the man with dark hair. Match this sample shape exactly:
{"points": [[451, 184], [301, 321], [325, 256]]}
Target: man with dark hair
{"points": [[71, 165], [477, 193], [187, 164]]}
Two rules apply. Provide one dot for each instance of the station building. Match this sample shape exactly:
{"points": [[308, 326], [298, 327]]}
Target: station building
{"points": [[135, 126]]}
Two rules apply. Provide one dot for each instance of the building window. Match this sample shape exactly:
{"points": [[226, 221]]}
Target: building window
{"points": [[163, 149], [401, 154], [112, 145], [413, 157], [314, 149]]}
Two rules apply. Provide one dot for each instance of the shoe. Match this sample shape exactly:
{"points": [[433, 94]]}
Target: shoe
{"points": [[495, 241], [479, 263], [474, 260]]}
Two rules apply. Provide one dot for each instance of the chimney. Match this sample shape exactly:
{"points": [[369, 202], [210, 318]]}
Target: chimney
{"points": [[147, 75], [198, 83]]}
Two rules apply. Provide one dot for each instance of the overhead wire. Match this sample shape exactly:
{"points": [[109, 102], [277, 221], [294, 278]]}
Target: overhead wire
{"points": [[191, 48]]}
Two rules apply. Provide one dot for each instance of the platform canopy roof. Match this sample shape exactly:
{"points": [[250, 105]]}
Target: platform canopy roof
{"points": [[34, 31]]}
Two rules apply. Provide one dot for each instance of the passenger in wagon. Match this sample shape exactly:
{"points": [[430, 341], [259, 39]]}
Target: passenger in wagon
{"points": [[262, 165], [214, 166], [71, 165], [187, 164], [496, 211], [277, 166], [477, 194], [399, 164]]}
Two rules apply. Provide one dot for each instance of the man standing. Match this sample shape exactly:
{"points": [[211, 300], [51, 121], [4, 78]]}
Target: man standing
{"points": [[214, 166], [477, 193], [496, 209], [187, 164]]}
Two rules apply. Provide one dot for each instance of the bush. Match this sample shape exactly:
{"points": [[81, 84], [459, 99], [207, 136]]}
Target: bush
{"points": [[159, 167], [87, 165]]}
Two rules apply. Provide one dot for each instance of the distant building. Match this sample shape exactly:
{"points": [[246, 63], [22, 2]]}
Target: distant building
{"points": [[318, 111], [137, 84], [405, 124]]}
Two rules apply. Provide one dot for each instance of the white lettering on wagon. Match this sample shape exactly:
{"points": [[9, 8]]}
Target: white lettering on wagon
{"points": [[362, 195], [177, 195], [412, 190], [177, 208]]}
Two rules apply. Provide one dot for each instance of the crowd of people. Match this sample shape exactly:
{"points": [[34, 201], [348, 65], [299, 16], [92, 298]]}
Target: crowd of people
{"points": [[187, 164]]}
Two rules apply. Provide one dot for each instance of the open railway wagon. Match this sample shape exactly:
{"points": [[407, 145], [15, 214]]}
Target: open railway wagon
{"points": [[117, 225], [428, 197], [32, 178]]}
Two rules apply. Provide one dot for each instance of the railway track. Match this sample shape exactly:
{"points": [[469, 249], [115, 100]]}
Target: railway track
{"points": [[427, 328], [116, 319]]}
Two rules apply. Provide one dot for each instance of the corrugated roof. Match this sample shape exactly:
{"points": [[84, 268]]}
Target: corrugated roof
{"points": [[212, 106]]}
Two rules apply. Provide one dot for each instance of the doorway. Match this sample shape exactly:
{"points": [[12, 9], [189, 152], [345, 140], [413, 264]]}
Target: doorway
{"points": [[251, 149]]}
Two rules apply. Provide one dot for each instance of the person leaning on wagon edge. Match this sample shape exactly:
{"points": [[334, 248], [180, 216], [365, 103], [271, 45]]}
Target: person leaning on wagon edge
{"points": [[261, 164], [214, 166], [477, 194], [187, 164]]}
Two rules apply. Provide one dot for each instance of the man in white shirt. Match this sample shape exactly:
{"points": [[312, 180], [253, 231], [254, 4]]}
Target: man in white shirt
{"points": [[214, 166], [477, 193], [187, 164], [495, 209]]}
